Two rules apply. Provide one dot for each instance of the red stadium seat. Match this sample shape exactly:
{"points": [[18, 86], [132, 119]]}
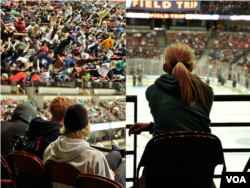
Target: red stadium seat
{"points": [[27, 163], [92, 180], [7, 183], [61, 173]]}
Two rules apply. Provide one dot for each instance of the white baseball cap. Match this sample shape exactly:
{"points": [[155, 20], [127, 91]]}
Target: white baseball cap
{"points": [[12, 27]]}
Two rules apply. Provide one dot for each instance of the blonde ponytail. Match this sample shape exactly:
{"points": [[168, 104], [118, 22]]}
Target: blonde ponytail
{"points": [[180, 63]]}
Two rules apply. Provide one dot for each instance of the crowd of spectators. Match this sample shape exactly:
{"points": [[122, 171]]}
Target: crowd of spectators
{"points": [[225, 55], [224, 7], [8, 106], [234, 40], [142, 44], [108, 110], [63, 41], [197, 41]]}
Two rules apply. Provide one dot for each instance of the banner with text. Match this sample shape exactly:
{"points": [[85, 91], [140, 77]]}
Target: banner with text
{"points": [[163, 5]]}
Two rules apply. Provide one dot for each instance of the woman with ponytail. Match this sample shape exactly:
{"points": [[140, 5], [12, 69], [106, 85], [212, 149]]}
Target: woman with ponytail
{"points": [[178, 101]]}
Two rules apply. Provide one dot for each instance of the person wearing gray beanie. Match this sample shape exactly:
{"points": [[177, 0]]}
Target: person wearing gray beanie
{"points": [[73, 149]]}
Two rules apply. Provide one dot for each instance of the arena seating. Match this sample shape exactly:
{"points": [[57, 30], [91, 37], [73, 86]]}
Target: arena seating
{"points": [[65, 16], [142, 44], [197, 41]]}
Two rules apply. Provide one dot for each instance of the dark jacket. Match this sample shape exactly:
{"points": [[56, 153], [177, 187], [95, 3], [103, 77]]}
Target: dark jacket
{"points": [[40, 134], [166, 91], [67, 28], [12, 130]]}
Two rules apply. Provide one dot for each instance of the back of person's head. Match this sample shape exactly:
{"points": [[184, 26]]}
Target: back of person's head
{"points": [[54, 33], [46, 68], [77, 75], [20, 50], [58, 107], [76, 122], [50, 51], [32, 58], [24, 112], [31, 69], [179, 62]]}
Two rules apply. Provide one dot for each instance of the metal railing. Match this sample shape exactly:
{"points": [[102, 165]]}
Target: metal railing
{"points": [[217, 98]]}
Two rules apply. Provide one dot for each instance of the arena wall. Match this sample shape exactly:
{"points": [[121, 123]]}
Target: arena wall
{"points": [[14, 97], [6, 88], [59, 90]]}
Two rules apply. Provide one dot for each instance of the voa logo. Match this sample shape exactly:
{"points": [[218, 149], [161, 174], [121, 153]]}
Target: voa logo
{"points": [[235, 179]]}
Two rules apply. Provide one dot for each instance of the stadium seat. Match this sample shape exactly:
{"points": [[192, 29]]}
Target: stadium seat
{"points": [[7, 183], [27, 163], [184, 147], [61, 173], [92, 180]]}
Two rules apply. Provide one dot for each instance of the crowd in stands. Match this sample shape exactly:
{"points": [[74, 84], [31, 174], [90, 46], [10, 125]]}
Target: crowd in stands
{"points": [[142, 44], [225, 55], [235, 40], [64, 136], [108, 110], [63, 41], [197, 41], [224, 7], [8, 106]]}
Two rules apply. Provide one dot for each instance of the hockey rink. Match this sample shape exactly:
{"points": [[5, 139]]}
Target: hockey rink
{"points": [[221, 112]]}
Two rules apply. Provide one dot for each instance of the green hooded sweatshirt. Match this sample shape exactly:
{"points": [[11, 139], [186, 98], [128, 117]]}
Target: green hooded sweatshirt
{"points": [[170, 113]]}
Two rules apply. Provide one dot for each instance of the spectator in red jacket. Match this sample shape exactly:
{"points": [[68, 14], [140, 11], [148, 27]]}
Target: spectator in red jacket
{"points": [[19, 77], [19, 25], [35, 77]]}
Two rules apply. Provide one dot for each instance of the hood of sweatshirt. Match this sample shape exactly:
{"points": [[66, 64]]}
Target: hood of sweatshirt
{"points": [[40, 126], [168, 83], [24, 112], [65, 149]]}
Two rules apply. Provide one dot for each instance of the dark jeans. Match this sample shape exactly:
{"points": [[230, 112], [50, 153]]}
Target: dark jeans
{"points": [[116, 164]]}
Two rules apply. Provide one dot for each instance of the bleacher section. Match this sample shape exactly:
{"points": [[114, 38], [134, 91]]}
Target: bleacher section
{"points": [[142, 44], [196, 40]]}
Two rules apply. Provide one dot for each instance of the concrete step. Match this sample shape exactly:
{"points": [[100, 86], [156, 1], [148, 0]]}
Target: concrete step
{"points": [[161, 41], [202, 61], [211, 42]]}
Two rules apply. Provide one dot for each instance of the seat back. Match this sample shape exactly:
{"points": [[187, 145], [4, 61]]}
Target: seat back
{"points": [[7, 169], [61, 173], [26, 163], [247, 166], [185, 147], [92, 180]]}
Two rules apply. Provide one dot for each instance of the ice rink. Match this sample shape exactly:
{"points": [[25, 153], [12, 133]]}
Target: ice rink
{"points": [[221, 112]]}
